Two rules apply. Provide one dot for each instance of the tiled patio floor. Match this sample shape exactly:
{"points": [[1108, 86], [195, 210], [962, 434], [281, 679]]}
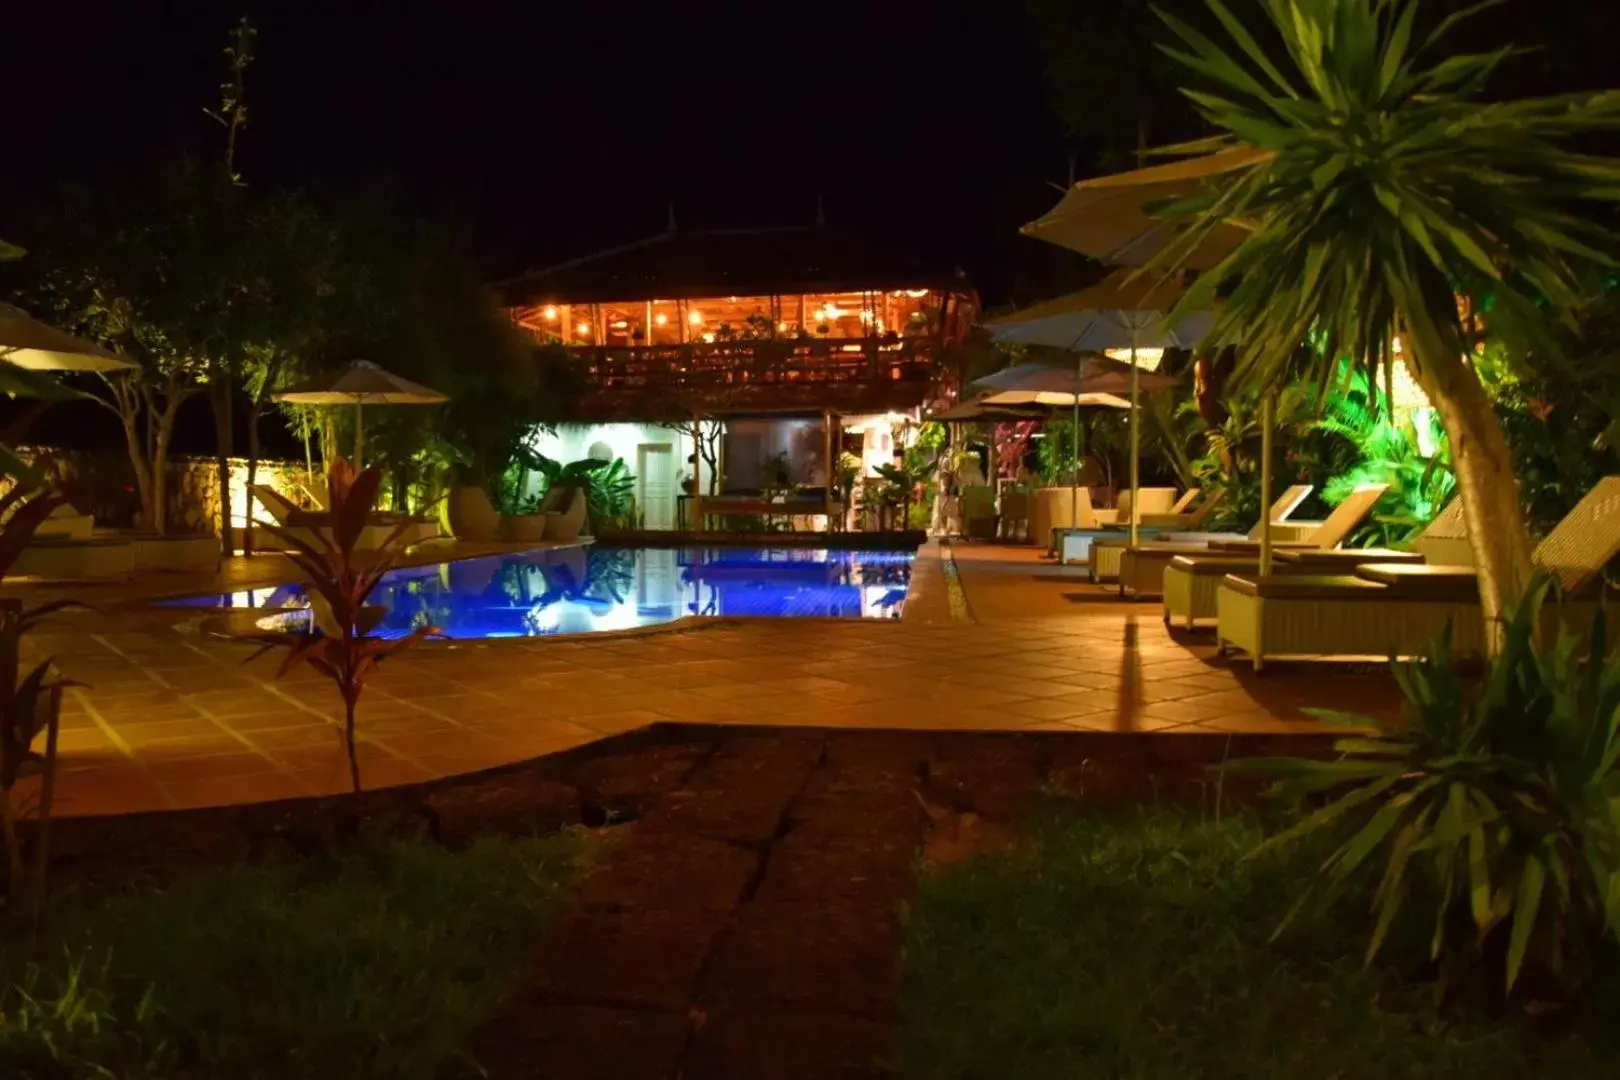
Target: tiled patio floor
{"points": [[170, 718]]}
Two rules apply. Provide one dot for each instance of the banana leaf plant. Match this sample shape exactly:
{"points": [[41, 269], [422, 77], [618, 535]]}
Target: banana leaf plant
{"points": [[30, 703], [338, 641]]}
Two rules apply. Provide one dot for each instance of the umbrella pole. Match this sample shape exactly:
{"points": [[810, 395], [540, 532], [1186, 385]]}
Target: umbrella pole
{"points": [[359, 435], [1136, 446], [1268, 420], [1074, 448]]}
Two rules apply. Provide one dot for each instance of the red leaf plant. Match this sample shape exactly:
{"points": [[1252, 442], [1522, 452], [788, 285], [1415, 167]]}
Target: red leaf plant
{"points": [[339, 643]]}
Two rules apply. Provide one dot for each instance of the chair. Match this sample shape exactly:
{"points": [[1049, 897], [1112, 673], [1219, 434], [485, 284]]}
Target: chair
{"points": [[1190, 580], [566, 510], [1074, 544], [1149, 558], [1383, 609]]}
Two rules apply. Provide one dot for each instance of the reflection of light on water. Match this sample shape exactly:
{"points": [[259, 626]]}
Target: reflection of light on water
{"points": [[622, 616], [612, 589]]}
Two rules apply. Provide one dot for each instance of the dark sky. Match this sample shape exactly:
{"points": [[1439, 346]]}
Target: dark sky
{"points": [[556, 129]]}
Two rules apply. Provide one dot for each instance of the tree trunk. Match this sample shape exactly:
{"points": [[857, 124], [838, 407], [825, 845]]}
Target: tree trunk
{"points": [[141, 463], [1485, 482], [219, 396], [162, 435], [254, 410]]}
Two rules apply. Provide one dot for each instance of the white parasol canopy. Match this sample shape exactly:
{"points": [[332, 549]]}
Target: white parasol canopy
{"points": [[35, 346], [1108, 217], [361, 383], [1118, 312]]}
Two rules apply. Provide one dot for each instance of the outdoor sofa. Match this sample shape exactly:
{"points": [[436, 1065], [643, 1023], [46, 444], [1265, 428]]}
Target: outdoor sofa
{"points": [[1152, 554]]}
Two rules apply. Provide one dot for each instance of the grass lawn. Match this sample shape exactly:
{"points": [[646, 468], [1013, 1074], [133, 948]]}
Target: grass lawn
{"points": [[379, 964], [1137, 949]]}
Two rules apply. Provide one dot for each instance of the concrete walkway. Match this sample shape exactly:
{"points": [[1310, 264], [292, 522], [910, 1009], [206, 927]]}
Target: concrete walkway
{"points": [[992, 639]]}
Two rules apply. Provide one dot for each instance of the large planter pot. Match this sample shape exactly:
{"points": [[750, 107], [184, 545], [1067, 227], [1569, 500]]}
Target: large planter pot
{"points": [[470, 515]]}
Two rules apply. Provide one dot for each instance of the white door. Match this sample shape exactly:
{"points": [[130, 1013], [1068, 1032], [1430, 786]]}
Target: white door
{"points": [[655, 485]]}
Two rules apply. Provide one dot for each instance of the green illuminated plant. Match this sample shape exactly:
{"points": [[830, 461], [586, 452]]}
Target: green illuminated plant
{"points": [[1374, 182], [1487, 816], [338, 641]]}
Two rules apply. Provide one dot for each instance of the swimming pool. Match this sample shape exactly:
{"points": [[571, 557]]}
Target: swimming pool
{"points": [[598, 588]]}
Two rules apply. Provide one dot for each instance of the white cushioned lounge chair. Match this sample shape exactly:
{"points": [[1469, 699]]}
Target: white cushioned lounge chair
{"points": [[1382, 609]]}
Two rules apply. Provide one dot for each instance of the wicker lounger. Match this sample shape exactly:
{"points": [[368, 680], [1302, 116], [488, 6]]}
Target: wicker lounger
{"points": [[1382, 610], [1189, 594], [1191, 583], [1420, 599], [1110, 561]]}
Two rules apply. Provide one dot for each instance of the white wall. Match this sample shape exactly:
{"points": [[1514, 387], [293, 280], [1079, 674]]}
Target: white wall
{"points": [[575, 441]]}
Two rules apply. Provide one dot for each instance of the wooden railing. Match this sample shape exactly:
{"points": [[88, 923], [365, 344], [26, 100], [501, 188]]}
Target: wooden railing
{"points": [[760, 374]]}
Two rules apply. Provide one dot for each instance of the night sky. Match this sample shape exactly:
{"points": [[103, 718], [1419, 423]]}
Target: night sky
{"points": [[549, 130]]}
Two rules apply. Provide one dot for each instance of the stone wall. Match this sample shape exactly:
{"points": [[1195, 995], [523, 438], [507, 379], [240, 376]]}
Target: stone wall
{"points": [[104, 485]]}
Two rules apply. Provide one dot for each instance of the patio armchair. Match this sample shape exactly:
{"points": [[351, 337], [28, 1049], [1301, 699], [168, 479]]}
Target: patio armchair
{"points": [[1109, 556], [1190, 579], [1383, 609]]}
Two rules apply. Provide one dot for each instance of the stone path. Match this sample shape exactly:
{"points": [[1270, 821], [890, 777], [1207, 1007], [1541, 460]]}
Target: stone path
{"points": [[747, 924]]}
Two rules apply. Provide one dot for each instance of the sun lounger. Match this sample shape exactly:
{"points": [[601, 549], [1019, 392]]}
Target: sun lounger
{"points": [[300, 523], [1148, 559], [75, 560], [1189, 589], [1336, 619], [1073, 544]]}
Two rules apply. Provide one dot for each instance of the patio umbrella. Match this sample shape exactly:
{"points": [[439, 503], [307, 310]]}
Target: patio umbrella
{"points": [[1090, 382], [1116, 313], [983, 409], [1108, 217], [360, 384], [35, 346]]}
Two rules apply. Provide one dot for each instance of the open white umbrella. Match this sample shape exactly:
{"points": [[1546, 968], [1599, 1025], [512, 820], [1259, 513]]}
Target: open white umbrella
{"points": [[1118, 313], [1089, 382], [36, 346], [1110, 217], [360, 384]]}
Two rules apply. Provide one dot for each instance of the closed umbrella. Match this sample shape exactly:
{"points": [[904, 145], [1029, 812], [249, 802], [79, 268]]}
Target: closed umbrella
{"points": [[1111, 217], [360, 384]]}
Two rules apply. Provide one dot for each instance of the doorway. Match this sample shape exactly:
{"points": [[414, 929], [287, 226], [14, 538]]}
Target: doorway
{"points": [[655, 485]]}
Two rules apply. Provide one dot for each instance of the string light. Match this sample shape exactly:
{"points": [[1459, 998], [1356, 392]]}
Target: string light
{"points": [[695, 318], [550, 313], [582, 328], [661, 319]]}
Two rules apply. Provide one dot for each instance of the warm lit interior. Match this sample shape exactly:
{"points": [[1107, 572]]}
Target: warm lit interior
{"points": [[902, 313]]}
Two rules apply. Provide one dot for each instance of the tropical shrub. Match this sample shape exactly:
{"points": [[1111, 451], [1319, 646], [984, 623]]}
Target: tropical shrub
{"points": [[1374, 180], [609, 486], [338, 640], [30, 703], [1487, 819]]}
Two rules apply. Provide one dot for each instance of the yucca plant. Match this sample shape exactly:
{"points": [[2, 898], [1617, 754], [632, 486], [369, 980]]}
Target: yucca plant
{"points": [[30, 702], [1382, 187], [339, 641], [1489, 815]]}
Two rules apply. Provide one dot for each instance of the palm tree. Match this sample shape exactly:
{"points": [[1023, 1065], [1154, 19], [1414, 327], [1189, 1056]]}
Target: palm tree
{"points": [[1387, 189]]}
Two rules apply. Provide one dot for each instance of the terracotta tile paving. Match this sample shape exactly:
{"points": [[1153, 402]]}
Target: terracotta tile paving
{"points": [[170, 718]]}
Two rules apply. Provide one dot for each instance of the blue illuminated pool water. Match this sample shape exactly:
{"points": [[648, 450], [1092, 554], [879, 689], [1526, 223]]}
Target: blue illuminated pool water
{"points": [[598, 588]]}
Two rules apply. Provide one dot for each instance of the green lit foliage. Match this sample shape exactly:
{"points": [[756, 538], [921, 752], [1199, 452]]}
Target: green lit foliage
{"points": [[1558, 399], [1487, 818], [609, 486], [1419, 483]]}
